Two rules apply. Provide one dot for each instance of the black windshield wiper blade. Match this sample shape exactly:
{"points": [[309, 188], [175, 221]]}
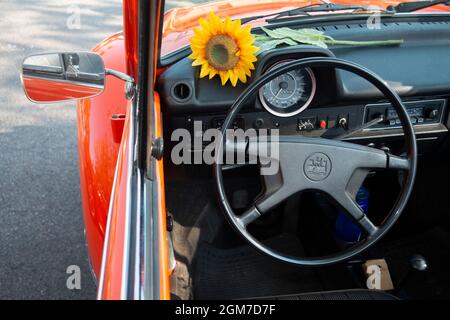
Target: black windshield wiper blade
{"points": [[321, 7], [305, 10], [416, 5]]}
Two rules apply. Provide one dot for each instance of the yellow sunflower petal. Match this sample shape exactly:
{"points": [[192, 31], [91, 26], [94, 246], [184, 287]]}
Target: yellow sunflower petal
{"points": [[204, 71], [199, 62], [236, 26], [248, 58], [212, 73], [245, 68], [246, 38], [204, 24], [215, 23], [223, 77], [201, 34], [197, 42], [241, 75], [228, 27], [233, 77]]}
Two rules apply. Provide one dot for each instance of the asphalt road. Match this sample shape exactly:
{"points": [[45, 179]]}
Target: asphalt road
{"points": [[41, 227]]}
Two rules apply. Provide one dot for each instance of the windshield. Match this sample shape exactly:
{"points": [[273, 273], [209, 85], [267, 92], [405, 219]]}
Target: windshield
{"points": [[182, 16]]}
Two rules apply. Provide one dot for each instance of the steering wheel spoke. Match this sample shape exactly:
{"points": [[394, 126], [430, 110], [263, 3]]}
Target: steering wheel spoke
{"points": [[248, 217], [347, 202], [399, 163]]}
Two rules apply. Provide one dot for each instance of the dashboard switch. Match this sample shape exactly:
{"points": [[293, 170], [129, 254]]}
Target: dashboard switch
{"points": [[343, 123], [433, 114], [306, 124], [323, 124], [331, 123]]}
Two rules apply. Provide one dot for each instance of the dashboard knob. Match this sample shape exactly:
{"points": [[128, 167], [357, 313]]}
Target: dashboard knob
{"points": [[258, 123], [433, 114], [343, 123]]}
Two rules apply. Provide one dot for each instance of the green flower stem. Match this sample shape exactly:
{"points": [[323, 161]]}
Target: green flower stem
{"points": [[363, 43], [332, 41]]}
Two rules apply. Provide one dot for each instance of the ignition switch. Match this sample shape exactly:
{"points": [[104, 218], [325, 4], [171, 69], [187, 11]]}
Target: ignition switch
{"points": [[343, 123]]}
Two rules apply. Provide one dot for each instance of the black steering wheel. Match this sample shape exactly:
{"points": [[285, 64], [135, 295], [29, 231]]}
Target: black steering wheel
{"points": [[344, 166]]}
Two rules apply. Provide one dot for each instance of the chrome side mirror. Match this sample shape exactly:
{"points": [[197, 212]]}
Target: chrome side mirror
{"points": [[55, 77]]}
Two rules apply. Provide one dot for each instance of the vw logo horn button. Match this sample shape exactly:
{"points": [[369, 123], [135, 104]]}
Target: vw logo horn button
{"points": [[317, 167]]}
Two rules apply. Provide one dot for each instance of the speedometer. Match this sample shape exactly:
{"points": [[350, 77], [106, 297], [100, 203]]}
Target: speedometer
{"points": [[290, 93]]}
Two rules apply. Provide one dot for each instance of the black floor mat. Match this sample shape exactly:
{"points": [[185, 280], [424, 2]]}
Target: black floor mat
{"points": [[244, 272], [434, 283]]}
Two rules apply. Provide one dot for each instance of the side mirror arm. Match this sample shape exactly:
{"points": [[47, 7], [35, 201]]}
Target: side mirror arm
{"points": [[130, 85]]}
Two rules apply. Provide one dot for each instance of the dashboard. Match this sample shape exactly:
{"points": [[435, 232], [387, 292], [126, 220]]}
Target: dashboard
{"points": [[326, 102]]}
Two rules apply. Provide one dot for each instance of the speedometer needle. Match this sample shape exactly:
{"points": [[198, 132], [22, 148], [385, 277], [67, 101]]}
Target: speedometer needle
{"points": [[278, 92]]}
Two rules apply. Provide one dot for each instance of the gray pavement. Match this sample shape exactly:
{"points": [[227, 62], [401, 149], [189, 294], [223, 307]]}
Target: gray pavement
{"points": [[41, 227]]}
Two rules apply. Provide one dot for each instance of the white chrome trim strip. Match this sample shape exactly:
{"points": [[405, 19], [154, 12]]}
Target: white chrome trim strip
{"points": [[126, 253], [388, 135], [137, 262], [106, 240], [126, 245]]}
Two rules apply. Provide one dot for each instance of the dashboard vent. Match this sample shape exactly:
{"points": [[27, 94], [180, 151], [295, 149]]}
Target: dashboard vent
{"points": [[403, 24], [181, 91]]}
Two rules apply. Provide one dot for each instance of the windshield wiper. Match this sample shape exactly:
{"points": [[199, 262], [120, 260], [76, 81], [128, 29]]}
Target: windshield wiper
{"points": [[332, 7], [322, 7], [305, 10], [415, 5]]}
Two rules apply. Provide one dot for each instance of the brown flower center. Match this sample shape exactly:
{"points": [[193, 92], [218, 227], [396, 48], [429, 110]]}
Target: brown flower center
{"points": [[221, 52]]}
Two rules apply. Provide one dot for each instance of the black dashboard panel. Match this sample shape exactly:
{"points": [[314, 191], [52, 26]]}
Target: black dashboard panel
{"points": [[418, 69], [209, 96]]}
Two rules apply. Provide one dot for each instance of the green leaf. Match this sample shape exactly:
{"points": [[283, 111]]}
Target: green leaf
{"points": [[306, 36], [265, 45], [274, 33], [291, 37]]}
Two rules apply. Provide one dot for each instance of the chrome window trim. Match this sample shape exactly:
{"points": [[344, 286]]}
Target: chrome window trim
{"points": [[128, 211], [389, 135]]}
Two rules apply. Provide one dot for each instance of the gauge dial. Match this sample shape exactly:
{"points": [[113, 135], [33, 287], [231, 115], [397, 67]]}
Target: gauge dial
{"points": [[290, 93]]}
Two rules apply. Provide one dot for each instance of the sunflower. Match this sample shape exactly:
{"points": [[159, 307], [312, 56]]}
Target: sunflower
{"points": [[223, 48]]}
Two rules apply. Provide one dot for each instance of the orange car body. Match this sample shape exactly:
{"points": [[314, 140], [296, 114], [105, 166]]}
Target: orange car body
{"points": [[103, 129]]}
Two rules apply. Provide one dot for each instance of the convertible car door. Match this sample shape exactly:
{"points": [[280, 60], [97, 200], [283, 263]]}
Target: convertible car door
{"points": [[134, 262]]}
